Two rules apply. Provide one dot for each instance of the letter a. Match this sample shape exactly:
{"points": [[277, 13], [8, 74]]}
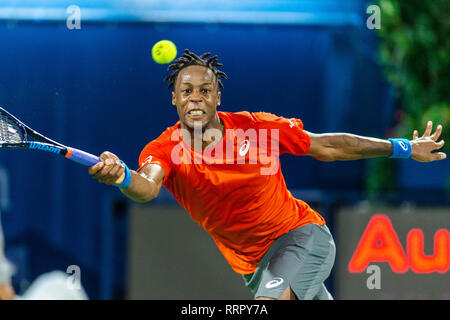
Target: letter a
{"points": [[373, 22], [373, 281], [74, 20], [73, 281], [379, 243]]}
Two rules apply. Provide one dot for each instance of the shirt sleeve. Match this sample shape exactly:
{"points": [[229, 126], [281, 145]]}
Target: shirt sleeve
{"points": [[292, 138], [155, 152]]}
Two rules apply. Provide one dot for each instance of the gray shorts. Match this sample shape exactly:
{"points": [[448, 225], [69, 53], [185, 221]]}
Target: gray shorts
{"points": [[302, 259]]}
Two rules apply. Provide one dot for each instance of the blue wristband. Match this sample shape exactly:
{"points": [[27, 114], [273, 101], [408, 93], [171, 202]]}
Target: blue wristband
{"points": [[401, 148], [127, 180]]}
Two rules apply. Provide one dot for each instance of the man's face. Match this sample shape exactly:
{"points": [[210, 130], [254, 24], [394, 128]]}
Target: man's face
{"points": [[196, 96]]}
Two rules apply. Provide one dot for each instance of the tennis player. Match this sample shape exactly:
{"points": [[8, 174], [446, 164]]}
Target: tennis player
{"points": [[223, 168]]}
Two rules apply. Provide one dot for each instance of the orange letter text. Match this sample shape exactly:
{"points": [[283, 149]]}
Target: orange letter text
{"points": [[421, 263], [379, 243]]}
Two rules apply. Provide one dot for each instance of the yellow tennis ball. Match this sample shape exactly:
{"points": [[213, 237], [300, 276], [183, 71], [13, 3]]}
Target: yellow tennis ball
{"points": [[164, 51]]}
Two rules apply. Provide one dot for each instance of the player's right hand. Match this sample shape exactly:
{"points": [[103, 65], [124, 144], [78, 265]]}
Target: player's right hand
{"points": [[110, 170]]}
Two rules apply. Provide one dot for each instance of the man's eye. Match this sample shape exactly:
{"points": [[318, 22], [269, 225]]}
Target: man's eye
{"points": [[186, 90], [205, 90]]}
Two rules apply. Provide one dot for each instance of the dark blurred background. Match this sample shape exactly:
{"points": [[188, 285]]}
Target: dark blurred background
{"points": [[96, 87]]}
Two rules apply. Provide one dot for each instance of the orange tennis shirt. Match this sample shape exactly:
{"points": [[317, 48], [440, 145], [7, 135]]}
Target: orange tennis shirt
{"points": [[235, 190]]}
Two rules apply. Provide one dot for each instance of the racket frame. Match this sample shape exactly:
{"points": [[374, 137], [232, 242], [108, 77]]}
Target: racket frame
{"points": [[45, 144]]}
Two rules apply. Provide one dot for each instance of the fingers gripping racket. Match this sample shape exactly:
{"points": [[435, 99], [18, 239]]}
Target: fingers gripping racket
{"points": [[14, 134]]}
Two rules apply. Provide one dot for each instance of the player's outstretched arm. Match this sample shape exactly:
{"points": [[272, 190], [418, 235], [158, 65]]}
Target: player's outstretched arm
{"points": [[143, 187], [345, 146]]}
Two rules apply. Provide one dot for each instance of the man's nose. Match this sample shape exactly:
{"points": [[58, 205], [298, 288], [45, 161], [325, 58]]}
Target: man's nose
{"points": [[195, 96]]}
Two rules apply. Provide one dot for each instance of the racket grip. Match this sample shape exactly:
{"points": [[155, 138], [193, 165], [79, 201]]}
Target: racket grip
{"points": [[82, 157]]}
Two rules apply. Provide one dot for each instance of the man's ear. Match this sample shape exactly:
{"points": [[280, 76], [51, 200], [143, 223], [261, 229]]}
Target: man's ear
{"points": [[219, 94], [174, 100]]}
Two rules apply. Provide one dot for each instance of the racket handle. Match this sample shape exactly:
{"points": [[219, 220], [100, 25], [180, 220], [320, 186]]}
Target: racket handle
{"points": [[82, 157]]}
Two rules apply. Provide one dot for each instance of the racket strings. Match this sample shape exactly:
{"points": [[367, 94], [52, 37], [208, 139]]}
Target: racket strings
{"points": [[10, 131]]}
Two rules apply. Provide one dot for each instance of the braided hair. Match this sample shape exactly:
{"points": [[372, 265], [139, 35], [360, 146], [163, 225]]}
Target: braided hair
{"points": [[189, 59]]}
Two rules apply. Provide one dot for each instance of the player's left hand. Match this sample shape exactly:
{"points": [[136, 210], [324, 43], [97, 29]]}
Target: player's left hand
{"points": [[421, 148]]}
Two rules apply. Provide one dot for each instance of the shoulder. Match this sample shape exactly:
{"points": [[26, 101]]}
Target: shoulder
{"points": [[235, 117], [270, 119], [241, 119], [260, 118], [248, 116], [264, 116], [165, 139]]}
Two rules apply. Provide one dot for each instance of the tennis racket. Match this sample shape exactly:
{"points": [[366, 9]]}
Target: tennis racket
{"points": [[14, 134]]}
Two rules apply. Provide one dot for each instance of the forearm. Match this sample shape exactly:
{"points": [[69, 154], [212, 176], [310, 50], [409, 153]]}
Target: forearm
{"points": [[142, 189], [345, 146]]}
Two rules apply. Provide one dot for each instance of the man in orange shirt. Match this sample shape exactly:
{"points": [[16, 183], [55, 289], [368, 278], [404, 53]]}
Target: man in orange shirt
{"points": [[223, 168]]}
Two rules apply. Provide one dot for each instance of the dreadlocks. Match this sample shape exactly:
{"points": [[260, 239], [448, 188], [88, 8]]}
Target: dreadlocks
{"points": [[189, 59]]}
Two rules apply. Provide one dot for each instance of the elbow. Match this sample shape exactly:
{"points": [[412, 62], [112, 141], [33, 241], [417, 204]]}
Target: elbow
{"points": [[326, 159], [151, 193], [143, 201], [145, 192], [146, 198], [140, 198], [325, 156], [322, 152]]}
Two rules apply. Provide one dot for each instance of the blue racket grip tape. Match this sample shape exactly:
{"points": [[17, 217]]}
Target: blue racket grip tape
{"points": [[82, 157]]}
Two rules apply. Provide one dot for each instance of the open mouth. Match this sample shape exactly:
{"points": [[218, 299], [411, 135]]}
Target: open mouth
{"points": [[196, 112]]}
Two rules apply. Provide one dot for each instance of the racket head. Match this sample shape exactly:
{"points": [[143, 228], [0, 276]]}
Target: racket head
{"points": [[12, 131], [14, 134]]}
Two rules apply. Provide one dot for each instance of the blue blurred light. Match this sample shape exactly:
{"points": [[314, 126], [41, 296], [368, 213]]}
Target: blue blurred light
{"points": [[288, 12]]}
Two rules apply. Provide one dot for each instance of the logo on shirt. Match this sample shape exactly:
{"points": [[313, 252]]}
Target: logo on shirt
{"points": [[274, 283], [147, 160], [291, 124], [244, 148]]}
